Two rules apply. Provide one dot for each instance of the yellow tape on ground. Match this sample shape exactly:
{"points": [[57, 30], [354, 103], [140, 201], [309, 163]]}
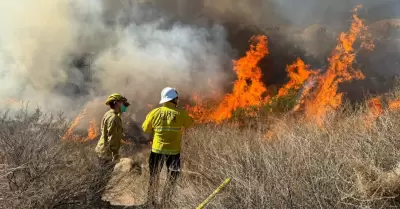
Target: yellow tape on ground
{"points": [[209, 198]]}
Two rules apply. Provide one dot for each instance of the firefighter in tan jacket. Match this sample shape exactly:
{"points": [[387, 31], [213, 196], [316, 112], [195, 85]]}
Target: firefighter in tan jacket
{"points": [[108, 147], [111, 128]]}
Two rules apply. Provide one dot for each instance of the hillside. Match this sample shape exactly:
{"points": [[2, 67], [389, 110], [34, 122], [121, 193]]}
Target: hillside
{"points": [[291, 123]]}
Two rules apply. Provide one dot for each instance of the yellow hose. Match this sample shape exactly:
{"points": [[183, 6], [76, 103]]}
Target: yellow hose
{"points": [[209, 198]]}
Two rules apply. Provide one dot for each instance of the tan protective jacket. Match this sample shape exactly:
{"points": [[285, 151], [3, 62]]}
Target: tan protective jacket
{"points": [[111, 135]]}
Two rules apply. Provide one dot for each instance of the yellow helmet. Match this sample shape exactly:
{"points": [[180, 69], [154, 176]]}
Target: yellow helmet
{"points": [[117, 97]]}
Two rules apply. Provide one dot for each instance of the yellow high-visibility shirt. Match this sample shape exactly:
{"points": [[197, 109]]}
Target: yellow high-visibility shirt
{"points": [[166, 123]]}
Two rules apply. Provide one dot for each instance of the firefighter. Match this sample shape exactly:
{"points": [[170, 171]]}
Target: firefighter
{"points": [[111, 129], [107, 148], [166, 124]]}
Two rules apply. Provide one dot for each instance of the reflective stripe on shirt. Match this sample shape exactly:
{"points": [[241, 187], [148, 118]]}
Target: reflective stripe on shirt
{"points": [[174, 129]]}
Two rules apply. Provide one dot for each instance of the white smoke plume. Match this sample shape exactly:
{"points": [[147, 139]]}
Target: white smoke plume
{"points": [[136, 54]]}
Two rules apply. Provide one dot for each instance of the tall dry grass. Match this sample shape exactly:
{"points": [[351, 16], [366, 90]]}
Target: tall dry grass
{"points": [[300, 165], [343, 164], [37, 168]]}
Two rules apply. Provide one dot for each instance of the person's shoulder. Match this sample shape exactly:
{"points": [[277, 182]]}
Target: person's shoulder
{"points": [[107, 114], [153, 111], [182, 110], [111, 115]]}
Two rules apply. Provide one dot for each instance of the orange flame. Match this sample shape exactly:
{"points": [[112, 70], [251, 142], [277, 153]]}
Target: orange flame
{"points": [[200, 111], [326, 98], [248, 88], [319, 94], [375, 108], [298, 73], [307, 88], [70, 132], [93, 130], [394, 105], [247, 91]]}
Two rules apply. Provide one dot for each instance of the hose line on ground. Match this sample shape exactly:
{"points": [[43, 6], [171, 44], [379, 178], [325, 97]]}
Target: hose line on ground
{"points": [[209, 198]]}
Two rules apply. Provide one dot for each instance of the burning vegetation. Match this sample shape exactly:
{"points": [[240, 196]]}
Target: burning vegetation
{"points": [[314, 92], [377, 106], [326, 96], [319, 97], [291, 153], [248, 89], [92, 132]]}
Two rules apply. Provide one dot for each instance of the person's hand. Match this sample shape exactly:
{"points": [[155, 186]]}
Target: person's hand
{"points": [[150, 143]]}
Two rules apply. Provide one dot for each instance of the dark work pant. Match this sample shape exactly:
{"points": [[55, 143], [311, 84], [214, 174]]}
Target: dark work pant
{"points": [[156, 163], [102, 177]]}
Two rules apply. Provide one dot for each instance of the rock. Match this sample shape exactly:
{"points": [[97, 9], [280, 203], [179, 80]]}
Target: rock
{"points": [[126, 165]]}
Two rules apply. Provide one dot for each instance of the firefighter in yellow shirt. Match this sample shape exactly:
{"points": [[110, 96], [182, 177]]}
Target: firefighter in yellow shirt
{"points": [[107, 148], [166, 124]]}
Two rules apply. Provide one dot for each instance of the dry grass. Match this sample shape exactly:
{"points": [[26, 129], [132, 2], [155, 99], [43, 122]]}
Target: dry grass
{"points": [[342, 165], [38, 169]]}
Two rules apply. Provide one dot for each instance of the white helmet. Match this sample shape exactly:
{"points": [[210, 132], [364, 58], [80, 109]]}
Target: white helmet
{"points": [[168, 94]]}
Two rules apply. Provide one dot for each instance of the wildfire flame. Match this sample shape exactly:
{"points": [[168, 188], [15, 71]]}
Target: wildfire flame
{"points": [[319, 95], [93, 130], [326, 97], [200, 112], [318, 92], [375, 108], [248, 89], [394, 105], [298, 73], [307, 88], [70, 132]]}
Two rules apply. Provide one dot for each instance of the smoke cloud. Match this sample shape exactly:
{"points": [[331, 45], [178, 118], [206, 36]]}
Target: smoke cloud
{"points": [[62, 54], [295, 28]]}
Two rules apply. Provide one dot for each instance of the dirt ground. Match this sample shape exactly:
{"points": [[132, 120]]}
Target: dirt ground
{"points": [[128, 186]]}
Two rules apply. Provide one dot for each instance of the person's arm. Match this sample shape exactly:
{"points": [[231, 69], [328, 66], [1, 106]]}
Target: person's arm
{"points": [[114, 138], [105, 131], [147, 125], [187, 121]]}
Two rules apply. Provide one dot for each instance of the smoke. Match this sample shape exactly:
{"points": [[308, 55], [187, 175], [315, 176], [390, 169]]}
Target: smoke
{"points": [[295, 28], [62, 54], [309, 29], [35, 38]]}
